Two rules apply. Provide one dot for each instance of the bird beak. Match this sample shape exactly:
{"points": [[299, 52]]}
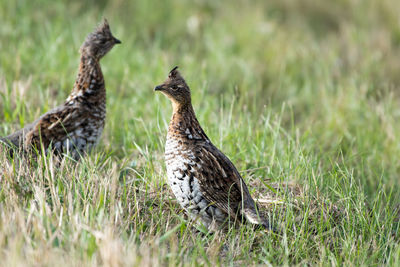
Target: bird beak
{"points": [[158, 88], [117, 41]]}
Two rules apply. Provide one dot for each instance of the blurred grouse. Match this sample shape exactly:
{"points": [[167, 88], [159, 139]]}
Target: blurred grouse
{"points": [[205, 182], [74, 127]]}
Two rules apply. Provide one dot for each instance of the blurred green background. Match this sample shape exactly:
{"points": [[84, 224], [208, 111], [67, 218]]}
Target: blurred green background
{"points": [[304, 90]]}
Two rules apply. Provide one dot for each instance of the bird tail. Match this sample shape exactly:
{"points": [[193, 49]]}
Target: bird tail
{"points": [[254, 217]]}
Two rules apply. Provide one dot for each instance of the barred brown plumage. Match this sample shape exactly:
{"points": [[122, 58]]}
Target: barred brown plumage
{"points": [[205, 182], [76, 126]]}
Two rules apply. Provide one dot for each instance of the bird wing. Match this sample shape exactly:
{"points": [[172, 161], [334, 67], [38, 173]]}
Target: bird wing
{"points": [[53, 125], [220, 182]]}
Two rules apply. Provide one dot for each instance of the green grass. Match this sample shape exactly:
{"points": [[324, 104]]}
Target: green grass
{"points": [[303, 94]]}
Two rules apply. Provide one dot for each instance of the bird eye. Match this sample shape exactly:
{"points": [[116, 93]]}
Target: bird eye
{"points": [[174, 87]]}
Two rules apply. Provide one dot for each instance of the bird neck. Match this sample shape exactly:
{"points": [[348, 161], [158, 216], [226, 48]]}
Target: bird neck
{"points": [[90, 80], [185, 124]]}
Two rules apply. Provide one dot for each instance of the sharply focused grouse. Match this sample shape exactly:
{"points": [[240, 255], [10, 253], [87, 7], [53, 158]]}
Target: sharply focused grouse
{"points": [[205, 182], [76, 126]]}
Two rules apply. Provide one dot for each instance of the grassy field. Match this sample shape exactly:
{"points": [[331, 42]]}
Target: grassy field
{"points": [[302, 95]]}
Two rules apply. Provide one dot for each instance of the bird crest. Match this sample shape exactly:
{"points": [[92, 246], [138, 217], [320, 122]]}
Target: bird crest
{"points": [[173, 73]]}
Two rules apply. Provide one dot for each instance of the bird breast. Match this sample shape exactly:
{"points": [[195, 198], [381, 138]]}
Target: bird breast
{"points": [[182, 172]]}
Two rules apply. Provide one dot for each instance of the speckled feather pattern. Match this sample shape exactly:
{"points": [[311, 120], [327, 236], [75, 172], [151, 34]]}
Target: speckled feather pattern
{"points": [[182, 168], [76, 126], [204, 181]]}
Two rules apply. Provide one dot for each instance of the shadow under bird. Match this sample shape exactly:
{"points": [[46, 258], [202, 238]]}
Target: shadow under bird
{"points": [[76, 126], [205, 182]]}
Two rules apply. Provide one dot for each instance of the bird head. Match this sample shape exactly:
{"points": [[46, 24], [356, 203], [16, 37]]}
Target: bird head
{"points": [[99, 42], [175, 88]]}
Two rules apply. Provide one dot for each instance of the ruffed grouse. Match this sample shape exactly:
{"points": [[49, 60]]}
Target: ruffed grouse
{"points": [[76, 126], [204, 181]]}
